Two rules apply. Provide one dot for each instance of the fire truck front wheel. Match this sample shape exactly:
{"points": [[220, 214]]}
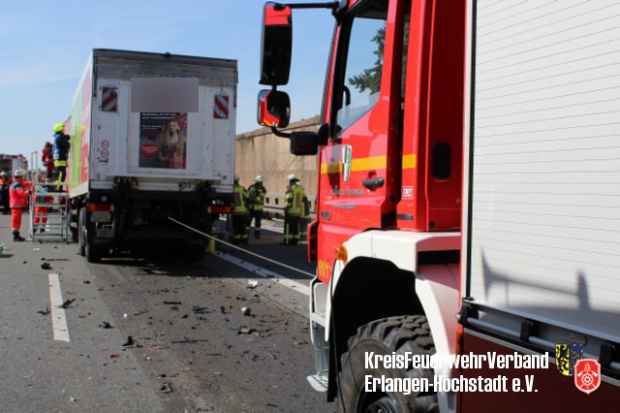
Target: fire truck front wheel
{"points": [[385, 337]]}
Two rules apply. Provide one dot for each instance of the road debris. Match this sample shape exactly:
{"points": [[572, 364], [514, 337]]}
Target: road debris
{"points": [[246, 311], [46, 266], [114, 355], [200, 310], [67, 303], [245, 331], [105, 325], [173, 302], [44, 312], [252, 284], [166, 388], [130, 342], [86, 282]]}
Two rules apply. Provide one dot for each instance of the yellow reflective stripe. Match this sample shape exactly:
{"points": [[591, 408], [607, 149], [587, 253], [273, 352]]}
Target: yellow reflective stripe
{"points": [[365, 164], [410, 161], [330, 168]]}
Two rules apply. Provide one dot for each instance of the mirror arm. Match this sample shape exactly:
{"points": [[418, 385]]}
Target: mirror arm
{"points": [[279, 133], [334, 5]]}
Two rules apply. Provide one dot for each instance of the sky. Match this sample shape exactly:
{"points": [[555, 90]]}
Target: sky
{"points": [[46, 43]]}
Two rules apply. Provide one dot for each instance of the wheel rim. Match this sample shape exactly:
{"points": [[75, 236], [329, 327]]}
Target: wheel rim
{"points": [[377, 403]]}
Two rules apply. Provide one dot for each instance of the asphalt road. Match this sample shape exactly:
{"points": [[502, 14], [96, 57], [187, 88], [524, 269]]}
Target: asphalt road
{"points": [[193, 350]]}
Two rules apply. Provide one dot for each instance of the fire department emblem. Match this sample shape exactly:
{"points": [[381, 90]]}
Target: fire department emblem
{"points": [[587, 375], [566, 355]]}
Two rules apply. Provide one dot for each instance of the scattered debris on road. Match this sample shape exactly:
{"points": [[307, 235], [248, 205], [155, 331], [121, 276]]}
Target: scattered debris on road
{"points": [[114, 355], [67, 303], [105, 325], [252, 284], [173, 302], [46, 266], [166, 388], [245, 331], [200, 310], [130, 342], [86, 282], [44, 312], [246, 311]]}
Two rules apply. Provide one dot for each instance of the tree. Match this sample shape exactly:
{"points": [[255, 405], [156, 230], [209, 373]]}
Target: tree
{"points": [[371, 78]]}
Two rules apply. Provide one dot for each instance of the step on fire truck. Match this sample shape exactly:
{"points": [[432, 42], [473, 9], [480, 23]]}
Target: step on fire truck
{"points": [[468, 192]]}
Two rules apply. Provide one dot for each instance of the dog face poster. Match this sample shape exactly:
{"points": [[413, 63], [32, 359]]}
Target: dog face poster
{"points": [[163, 140]]}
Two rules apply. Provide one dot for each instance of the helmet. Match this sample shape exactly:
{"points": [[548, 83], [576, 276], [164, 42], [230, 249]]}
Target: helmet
{"points": [[292, 177], [2, 173], [258, 178], [59, 127], [19, 173]]}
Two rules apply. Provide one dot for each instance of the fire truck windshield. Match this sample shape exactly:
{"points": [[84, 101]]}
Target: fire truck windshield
{"points": [[364, 62]]}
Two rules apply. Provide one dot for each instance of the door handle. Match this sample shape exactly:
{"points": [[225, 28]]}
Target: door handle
{"points": [[373, 183]]}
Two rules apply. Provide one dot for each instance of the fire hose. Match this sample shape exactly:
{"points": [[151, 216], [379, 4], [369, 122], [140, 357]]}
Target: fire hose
{"points": [[243, 250]]}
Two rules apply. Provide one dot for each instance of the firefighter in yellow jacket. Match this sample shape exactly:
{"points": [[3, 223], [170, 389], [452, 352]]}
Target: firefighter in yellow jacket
{"points": [[240, 213], [294, 211], [256, 201]]}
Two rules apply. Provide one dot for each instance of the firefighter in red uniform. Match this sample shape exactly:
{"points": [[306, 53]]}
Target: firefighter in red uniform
{"points": [[47, 157], [18, 194]]}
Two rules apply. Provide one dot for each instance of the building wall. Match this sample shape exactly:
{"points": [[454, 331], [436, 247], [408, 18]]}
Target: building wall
{"points": [[260, 152]]}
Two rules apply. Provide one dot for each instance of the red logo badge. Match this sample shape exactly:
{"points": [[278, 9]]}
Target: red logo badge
{"points": [[587, 375]]}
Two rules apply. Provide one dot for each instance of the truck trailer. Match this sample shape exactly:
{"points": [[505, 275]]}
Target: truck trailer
{"points": [[467, 198], [10, 163], [152, 138]]}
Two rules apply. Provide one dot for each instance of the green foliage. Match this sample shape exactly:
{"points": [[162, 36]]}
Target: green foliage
{"points": [[371, 78]]}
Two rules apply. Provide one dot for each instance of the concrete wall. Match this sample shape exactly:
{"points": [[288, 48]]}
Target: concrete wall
{"points": [[260, 152]]}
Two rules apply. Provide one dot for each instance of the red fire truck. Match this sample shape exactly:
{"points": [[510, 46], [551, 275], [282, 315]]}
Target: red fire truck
{"points": [[468, 193]]}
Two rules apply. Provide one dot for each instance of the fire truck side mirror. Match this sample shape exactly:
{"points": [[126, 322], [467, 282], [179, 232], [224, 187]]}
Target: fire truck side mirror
{"points": [[274, 108], [277, 40], [304, 143]]}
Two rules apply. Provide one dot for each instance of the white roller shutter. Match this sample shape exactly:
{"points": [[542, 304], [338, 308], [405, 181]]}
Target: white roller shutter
{"points": [[546, 167]]}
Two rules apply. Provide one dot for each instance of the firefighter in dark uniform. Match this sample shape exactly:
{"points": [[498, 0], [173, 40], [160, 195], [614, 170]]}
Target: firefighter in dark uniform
{"points": [[256, 196], [294, 211], [5, 183], [305, 218], [240, 214], [61, 148]]}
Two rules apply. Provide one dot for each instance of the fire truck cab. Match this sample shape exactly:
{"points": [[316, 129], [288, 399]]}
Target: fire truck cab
{"points": [[468, 196], [386, 238]]}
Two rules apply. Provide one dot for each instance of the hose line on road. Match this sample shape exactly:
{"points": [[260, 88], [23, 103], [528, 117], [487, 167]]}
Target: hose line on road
{"points": [[245, 251]]}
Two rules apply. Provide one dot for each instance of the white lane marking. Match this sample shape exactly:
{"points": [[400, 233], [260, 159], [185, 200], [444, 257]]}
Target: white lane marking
{"points": [[59, 319], [265, 273]]}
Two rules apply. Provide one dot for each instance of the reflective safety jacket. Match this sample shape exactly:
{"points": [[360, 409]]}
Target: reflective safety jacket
{"points": [[295, 201], [240, 201], [256, 196], [61, 148], [18, 195]]}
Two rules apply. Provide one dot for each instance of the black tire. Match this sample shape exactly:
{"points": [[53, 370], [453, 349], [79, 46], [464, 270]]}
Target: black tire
{"points": [[93, 253], [384, 336], [81, 232], [87, 249]]}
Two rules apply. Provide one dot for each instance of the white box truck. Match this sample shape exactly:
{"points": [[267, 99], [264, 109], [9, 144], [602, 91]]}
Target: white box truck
{"points": [[152, 137]]}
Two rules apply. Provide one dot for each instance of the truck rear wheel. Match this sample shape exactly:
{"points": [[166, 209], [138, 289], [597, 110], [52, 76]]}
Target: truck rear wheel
{"points": [[386, 336], [87, 249], [81, 232]]}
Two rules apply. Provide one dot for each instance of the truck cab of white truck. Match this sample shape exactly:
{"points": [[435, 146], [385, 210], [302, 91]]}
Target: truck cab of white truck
{"points": [[152, 137]]}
